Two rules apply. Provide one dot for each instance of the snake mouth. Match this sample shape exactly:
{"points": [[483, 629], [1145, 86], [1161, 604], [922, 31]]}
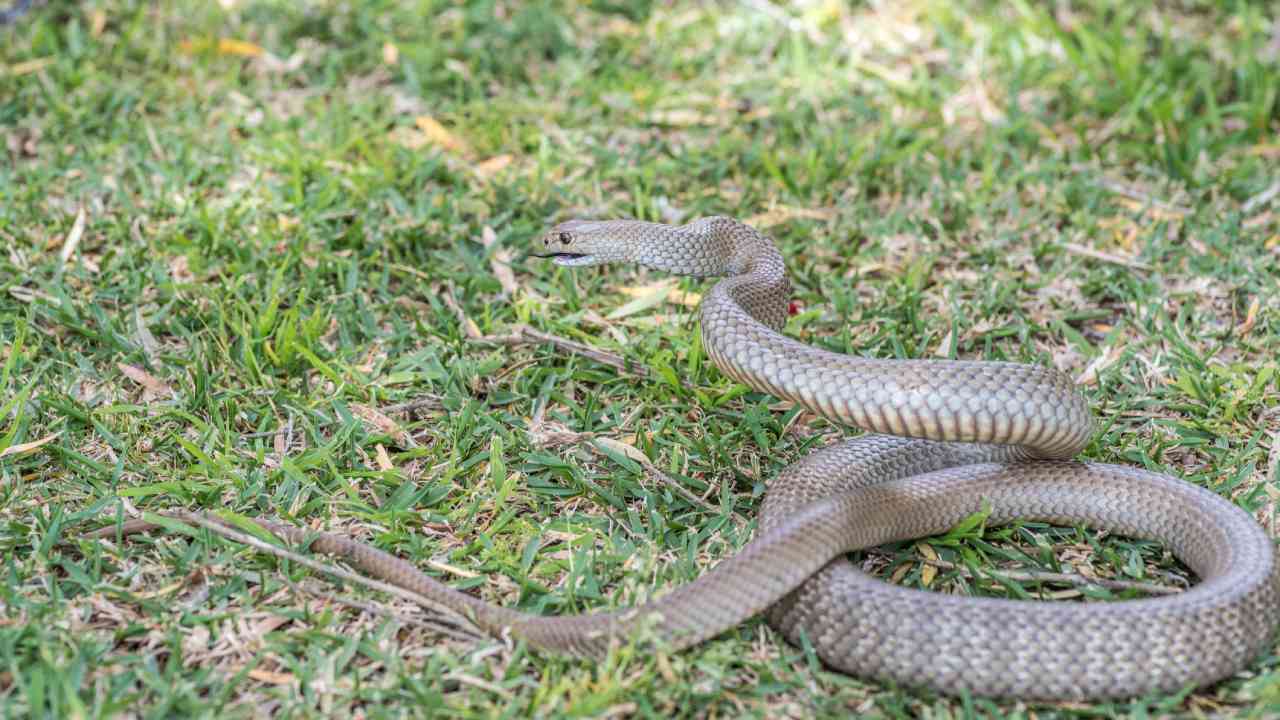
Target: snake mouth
{"points": [[565, 259]]}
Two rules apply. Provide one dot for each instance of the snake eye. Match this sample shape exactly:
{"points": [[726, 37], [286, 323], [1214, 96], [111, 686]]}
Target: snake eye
{"points": [[565, 238]]}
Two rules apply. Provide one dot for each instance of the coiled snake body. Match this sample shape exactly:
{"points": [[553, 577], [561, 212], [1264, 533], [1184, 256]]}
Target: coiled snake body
{"points": [[979, 432], [968, 435]]}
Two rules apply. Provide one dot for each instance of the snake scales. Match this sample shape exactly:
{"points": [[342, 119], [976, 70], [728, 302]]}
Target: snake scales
{"points": [[968, 435]]}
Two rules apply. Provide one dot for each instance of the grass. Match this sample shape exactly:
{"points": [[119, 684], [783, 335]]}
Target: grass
{"points": [[234, 231]]}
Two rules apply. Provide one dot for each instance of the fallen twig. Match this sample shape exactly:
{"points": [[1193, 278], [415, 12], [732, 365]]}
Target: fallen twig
{"points": [[447, 623], [525, 335]]}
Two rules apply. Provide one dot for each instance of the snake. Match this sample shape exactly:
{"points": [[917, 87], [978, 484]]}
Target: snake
{"points": [[945, 439]]}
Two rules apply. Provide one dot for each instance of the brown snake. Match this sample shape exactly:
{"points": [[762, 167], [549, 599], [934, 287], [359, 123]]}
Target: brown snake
{"points": [[969, 435]]}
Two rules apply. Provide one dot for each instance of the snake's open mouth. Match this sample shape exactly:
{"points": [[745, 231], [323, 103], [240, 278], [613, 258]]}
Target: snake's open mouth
{"points": [[567, 259]]}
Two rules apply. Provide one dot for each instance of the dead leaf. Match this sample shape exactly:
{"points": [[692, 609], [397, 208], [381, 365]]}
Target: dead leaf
{"points": [[900, 573], [494, 165], [27, 447], [165, 590], [242, 48], [266, 625], [380, 422], [149, 344], [682, 117], [945, 347], [30, 66], [468, 325], [782, 213], [679, 297], [1156, 212], [384, 460], [180, 270], [24, 142], [408, 138], [436, 133], [929, 571], [371, 360], [631, 451], [1085, 251], [1266, 150], [660, 319], [73, 238], [1104, 360], [97, 23], [1250, 318], [646, 298], [451, 569], [413, 305], [390, 53], [270, 64], [667, 672], [152, 387], [272, 678], [559, 536], [499, 261], [669, 211]]}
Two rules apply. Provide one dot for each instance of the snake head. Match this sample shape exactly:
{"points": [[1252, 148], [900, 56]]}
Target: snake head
{"points": [[579, 243]]}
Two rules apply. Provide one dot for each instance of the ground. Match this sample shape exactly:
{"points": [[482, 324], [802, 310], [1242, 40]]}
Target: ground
{"points": [[240, 236]]}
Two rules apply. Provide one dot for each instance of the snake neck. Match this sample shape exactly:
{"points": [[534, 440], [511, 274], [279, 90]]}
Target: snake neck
{"points": [[757, 275]]}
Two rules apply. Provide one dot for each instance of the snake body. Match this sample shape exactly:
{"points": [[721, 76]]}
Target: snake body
{"points": [[967, 434], [948, 438]]}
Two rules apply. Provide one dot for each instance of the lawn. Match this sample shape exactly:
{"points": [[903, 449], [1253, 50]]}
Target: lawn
{"points": [[271, 258]]}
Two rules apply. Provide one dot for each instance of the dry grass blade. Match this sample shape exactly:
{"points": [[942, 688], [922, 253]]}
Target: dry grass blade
{"points": [[152, 386], [469, 327], [72, 240], [670, 293], [433, 402], [441, 136], [782, 213], [1089, 252], [376, 419], [150, 346], [1039, 576], [652, 471], [1136, 193], [1261, 199], [491, 168], [1105, 359], [499, 262], [30, 66], [28, 447]]}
